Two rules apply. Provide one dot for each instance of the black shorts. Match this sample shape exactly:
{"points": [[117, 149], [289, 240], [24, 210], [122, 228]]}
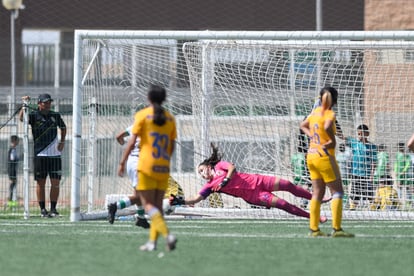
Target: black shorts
{"points": [[362, 188], [46, 165]]}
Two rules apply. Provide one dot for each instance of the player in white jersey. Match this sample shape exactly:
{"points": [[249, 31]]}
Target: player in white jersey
{"points": [[133, 176]]}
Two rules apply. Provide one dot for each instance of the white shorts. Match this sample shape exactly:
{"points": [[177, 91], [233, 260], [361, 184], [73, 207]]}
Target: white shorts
{"points": [[132, 164]]}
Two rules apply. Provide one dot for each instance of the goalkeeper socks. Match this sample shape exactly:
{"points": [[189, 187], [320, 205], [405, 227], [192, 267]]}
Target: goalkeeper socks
{"points": [[336, 207], [292, 209], [315, 213], [158, 222], [42, 205], [123, 203], [286, 185], [141, 212]]}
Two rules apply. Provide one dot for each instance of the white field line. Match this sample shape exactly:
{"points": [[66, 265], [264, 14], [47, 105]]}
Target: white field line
{"points": [[102, 227]]}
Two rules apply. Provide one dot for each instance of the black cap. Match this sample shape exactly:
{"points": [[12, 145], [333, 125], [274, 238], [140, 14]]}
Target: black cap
{"points": [[44, 98]]}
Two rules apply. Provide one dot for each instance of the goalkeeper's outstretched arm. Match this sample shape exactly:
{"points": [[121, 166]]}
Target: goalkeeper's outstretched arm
{"points": [[180, 201]]}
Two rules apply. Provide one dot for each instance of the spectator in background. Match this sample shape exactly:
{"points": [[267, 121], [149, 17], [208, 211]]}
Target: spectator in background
{"points": [[382, 170], [403, 172], [12, 164], [48, 147], [364, 160], [344, 159], [410, 143], [386, 197]]}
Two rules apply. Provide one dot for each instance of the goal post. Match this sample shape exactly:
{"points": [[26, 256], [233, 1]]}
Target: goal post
{"points": [[246, 91]]}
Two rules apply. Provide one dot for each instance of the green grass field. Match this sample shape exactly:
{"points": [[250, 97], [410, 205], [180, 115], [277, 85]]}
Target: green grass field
{"points": [[205, 247]]}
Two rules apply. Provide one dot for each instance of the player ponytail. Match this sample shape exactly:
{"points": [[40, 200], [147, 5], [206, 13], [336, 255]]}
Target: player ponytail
{"points": [[329, 97], [213, 159], [156, 96]]}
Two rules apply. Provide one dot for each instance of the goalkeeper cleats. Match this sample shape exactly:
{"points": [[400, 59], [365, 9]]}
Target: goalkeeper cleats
{"points": [[341, 234], [142, 222], [171, 242], [317, 234], [149, 246], [111, 212]]}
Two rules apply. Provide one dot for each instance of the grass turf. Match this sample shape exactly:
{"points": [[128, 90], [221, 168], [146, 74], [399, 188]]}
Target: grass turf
{"points": [[205, 247]]}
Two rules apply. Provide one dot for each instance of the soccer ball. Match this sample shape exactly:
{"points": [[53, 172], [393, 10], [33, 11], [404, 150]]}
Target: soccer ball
{"points": [[166, 207]]}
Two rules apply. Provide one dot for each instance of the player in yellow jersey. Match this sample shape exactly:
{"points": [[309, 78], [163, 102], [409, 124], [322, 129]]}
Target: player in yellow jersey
{"points": [[323, 168], [156, 129]]}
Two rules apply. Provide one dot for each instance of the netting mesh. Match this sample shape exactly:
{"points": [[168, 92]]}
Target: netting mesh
{"points": [[248, 97]]}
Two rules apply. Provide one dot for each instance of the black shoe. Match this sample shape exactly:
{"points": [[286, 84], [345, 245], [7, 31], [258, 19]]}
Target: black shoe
{"points": [[53, 213], [111, 212], [142, 222], [44, 213]]}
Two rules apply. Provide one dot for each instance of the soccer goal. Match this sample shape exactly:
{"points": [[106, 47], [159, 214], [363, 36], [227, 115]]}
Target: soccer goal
{"points": [[246, 92]]}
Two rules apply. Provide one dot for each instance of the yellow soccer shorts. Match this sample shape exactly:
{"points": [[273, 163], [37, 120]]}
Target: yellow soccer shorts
{"points": [[323, 167], [147, 183]]}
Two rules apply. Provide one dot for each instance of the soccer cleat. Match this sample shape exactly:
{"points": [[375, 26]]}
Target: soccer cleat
{"points": [[111, 212], [171, 242], [341, 234], [44, 213], [142, 222], [149, 246], [317, 234], [53, 213]]}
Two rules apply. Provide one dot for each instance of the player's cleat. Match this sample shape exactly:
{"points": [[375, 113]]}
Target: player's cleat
{"points": [[111, 212], [323, 219], [142, 222], [171, 242], [341, 234], [53, 213], [149, 246], [44, 213], [317, 234]]}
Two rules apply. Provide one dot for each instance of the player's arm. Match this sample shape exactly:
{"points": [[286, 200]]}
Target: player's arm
{"points": [[304, 126], [331, 143], [129, 147], [25, 100], [174, 200], [120, 137]]}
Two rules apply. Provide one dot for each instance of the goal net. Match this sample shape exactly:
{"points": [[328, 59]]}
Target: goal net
{"points": [[246, 92]]}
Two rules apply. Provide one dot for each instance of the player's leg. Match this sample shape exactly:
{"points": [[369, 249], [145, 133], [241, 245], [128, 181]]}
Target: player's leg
{"points": [[282, 204], [287, 186], [40, 178], [152, 192], [55, 174], [334, 183]]}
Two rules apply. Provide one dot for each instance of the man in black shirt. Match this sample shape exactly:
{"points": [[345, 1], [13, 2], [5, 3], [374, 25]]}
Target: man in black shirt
{"points": [[47, 150]]}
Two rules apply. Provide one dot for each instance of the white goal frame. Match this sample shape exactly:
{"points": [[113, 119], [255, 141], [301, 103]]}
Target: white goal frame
{"points": [[309, 39]]}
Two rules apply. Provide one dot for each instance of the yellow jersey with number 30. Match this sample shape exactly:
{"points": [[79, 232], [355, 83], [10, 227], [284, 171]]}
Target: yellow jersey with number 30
{"points": [[319, 136], [156, 144]]}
